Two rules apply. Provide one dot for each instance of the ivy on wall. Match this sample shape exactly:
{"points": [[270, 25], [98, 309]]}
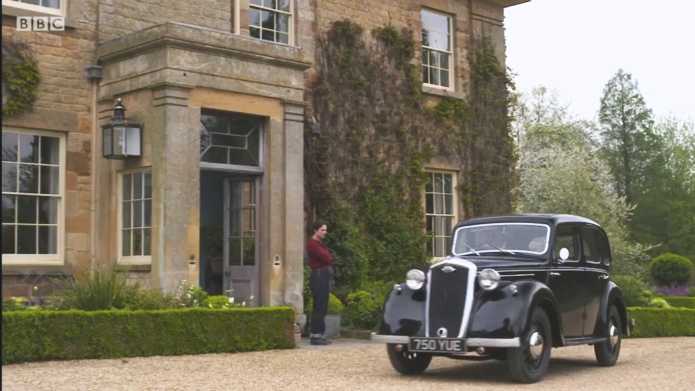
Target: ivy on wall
{"points": [[371, 137], [20, 78]]}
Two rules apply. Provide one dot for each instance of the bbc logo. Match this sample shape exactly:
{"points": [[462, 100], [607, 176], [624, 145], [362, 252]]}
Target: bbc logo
{"points": [[40, 23]]}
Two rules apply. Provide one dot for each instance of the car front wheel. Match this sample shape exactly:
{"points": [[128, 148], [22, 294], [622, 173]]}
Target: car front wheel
{"points": [[406, 362], [529, 362], [607, 352]]}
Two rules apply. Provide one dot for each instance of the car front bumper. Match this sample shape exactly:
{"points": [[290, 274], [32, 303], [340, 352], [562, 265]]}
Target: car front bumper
{"points": [[474, 342]]}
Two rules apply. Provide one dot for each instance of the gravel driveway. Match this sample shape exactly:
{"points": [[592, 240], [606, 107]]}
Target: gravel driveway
{"points": [[645, 364]]}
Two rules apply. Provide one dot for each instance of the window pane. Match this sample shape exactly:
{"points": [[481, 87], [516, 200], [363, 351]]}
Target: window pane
{"points": [[283, 23], [435, 30], [28, 178], [444, 60], [257, 2], [28, 148], [268, 20], [148, 213], [48, 210], [148, 184], [51, 3], [8, 232], [438, 182], [284, 5], [48, 240], [283, 38], [255, 32], [447, 183], [49, 150], [444, 79], [429, 203], [270, 3], [9, 205], [26, 209], [126, 187], [137, 186], [50, 179], [254, 17], [249, 251], [434, 76], [137, 214], [126, 215], [146, 242], [448, 207], [235, 251], [9, 176], [9, 146], [430, 225], [215, 155], [434, 59], [425, 75], [268, 35], [126, 233], [26, 239], [137, 242]]}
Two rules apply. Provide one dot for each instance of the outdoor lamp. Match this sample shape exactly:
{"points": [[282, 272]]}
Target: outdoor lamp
{"points": [[121, 138]]}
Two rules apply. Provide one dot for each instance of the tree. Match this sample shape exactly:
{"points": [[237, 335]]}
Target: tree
{"points": [[626, 132]]}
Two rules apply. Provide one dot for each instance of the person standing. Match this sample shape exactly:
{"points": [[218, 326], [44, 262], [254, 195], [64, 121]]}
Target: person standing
{"points": [[321, 264]]}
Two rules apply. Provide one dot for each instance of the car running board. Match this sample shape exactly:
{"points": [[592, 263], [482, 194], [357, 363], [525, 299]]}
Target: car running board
{"points": [[584, 340]]}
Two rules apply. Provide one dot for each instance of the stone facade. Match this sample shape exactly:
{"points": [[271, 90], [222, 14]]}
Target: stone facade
{"points": [[168, 61]]}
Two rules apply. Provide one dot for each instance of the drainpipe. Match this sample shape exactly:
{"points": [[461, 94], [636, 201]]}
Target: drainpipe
{"points": [[94, 75]]}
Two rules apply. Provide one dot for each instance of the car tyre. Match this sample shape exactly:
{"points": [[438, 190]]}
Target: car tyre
{"points": [[406, 362], [607, 352], [529, 362]]}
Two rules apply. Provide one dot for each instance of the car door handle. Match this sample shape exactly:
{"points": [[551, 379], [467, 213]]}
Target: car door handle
{"points": [[603, 276], [554, 274]]}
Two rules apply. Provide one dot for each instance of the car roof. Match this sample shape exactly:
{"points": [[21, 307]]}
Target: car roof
{"points": [[551, 219]]}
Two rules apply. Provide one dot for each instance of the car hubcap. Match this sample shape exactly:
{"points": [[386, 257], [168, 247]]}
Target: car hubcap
{"points": [[613, 333], [535, 345]]}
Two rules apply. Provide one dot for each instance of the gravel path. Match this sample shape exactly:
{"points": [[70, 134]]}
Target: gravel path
{"points": [[645, 364]]}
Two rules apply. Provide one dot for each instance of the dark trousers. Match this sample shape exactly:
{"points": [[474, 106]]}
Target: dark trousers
{"points": [[320, 284]]}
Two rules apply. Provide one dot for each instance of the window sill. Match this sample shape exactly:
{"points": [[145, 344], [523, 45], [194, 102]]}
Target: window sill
{"points": [[31, 260], [441, 91], [21, 9], [134, 268], [135, 261]]}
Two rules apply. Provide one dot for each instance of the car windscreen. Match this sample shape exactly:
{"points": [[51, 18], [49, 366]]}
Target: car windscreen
{"points": [[508, 238]]}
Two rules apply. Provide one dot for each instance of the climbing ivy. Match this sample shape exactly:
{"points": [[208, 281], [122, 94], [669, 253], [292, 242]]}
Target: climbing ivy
{"points": [[20, 78], [372, 132]]}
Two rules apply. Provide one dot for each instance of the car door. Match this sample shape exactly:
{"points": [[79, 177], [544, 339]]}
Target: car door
{"points": [[565, 280], [595, 258]]}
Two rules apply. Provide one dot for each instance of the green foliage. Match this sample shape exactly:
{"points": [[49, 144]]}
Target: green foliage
{"points": [[149, 299], [335, 306], [363, 310], [661, 322], [659, 302], [669, 268], [220, 301], [14, 304], [680, 301], [104, 289], [635, 291], [20, 76], [69, 335]]}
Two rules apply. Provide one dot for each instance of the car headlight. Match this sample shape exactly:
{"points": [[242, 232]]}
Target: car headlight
{"points": [[415, 279], [488, 279]]}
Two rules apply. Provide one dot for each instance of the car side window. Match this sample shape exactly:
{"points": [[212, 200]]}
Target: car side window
{"points": [[591, 245], [567, 237]]}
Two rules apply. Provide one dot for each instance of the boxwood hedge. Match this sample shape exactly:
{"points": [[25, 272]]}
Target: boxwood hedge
{"points": [[680, 301], [38, 335], [662, 322]]}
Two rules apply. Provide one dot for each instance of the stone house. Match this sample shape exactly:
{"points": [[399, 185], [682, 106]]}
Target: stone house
{"points": [[215, 194]]}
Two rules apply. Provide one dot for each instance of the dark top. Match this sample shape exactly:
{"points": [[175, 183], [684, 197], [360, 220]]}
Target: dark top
{"points": [[319, 255]]}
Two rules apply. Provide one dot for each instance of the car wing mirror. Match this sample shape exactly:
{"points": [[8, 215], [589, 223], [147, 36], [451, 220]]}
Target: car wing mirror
{"points": [[564, 255]]}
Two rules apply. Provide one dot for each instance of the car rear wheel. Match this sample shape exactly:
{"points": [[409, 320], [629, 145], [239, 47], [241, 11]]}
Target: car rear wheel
{"points": [[529, 362], [407, 362], [607, 352]]}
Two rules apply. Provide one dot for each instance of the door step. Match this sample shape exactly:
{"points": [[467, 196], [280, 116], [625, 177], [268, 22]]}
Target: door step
{"points": [[584, 340]]}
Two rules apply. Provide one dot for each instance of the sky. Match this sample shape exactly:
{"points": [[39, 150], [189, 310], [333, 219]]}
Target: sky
{"points": [[573, 47]]}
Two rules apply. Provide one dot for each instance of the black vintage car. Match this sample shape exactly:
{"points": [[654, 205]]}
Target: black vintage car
{"points": [[513, 288]]}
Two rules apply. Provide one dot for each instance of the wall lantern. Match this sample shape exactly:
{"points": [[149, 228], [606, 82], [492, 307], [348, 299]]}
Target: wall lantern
{"points": [[121, 138]]}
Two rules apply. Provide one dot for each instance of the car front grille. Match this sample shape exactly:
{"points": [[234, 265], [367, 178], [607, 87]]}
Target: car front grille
{"points": [[447, 299]]}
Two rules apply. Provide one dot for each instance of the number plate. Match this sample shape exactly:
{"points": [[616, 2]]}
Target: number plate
{"points": [[437, 345]]}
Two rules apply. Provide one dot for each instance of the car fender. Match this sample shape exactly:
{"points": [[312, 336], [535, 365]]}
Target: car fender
{"points": [[404, 312], [505, 311], [612, 294]]}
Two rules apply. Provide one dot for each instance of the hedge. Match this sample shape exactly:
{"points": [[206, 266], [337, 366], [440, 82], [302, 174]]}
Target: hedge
{"points": [[38, 335], [662, 322], [680, 301]]}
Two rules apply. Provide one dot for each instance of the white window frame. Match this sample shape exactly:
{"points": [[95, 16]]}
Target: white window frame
{"points": [[45, 259], [18, 8], [134, 259], [290, 24], [450, 52], [454, 206]]}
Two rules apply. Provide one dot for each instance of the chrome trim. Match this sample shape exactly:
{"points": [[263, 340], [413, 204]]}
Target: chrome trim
{"points": [[517, 275], [554, 274], [374, 337], [494, 342], [547, 238], [468, 305]]}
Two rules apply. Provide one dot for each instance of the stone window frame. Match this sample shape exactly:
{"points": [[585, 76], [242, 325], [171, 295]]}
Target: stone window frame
{"points": [[451, 52], [290, 24], [140, 259], [21, 8], [44, 259], [435, 215]]}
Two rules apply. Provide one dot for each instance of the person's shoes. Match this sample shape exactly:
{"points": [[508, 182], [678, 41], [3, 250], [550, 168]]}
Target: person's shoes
{"points": [[319, 341]]}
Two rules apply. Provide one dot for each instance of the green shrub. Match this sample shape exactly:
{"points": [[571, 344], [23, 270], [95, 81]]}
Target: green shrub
{"points": [[363, 310], [670, 268], [148, 299], [14, 304], [222, 301], [659, 302], [661, 322], [681, 301], [104, 289], [635, 292], [335, 306], [73, 334]]}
